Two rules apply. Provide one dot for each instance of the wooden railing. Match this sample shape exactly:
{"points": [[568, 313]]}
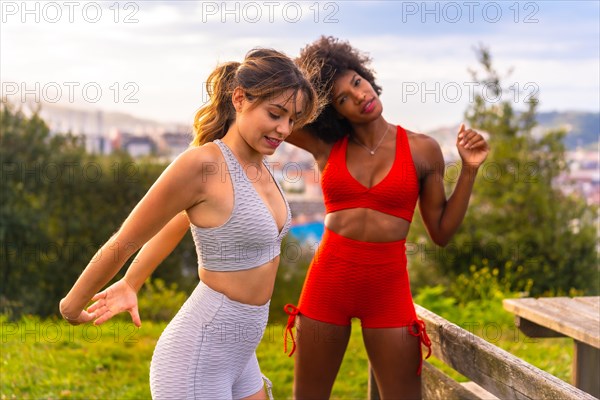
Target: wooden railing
{"points": [[494, 373]]}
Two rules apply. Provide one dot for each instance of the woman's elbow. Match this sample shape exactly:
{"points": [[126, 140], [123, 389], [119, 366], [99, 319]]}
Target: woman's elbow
{"points": [[441, 240], [440, 234], [441, 243]]}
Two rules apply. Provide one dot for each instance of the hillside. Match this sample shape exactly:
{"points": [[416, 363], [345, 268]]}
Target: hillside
{"points": [[583, 128]]}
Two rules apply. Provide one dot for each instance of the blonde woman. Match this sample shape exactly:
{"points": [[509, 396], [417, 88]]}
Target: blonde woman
{"points": [[223, 191]]}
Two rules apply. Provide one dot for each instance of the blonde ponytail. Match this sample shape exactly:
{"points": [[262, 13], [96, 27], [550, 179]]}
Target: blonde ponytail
{"points": [[213, 119], [264, 73]]}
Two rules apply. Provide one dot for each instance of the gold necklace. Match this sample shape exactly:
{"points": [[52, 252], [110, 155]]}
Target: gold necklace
{"points": [[374, 149]]}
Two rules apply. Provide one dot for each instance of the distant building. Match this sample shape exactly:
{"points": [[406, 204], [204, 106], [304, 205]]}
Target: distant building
{"points": [[97, 144], [174, 143], [135, 145], [583, 178]]}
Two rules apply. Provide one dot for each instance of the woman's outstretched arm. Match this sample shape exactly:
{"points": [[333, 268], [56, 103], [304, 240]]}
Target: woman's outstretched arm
{"points": [[156, 250], [122, 295], [178, 188]]}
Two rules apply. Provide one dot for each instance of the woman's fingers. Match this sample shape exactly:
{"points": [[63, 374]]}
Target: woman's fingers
{"points": [[476, 143], [96, 305], [473, 139], [135, 316], [112, 301], [466, 136], [100, 295], [468, 143], [82, 318], [105, 316]]}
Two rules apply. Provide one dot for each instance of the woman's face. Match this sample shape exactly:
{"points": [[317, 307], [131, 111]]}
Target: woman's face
{"points": [[354, 98], [265, 124]]}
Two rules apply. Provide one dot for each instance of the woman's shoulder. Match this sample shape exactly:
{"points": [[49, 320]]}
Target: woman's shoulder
{"points": [[424, 148], [204, 158], [422, 140], [208, 152]]}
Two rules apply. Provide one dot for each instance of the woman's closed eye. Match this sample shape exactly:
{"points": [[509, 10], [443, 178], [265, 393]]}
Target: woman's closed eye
{"points": [[275, 117]]}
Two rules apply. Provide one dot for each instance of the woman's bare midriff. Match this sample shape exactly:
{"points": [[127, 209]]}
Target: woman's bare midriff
{"points": [[251, 286], [367, 225]]}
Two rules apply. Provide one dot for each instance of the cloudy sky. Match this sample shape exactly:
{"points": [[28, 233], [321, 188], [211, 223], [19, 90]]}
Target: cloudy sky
{"points": [[150, 58]]}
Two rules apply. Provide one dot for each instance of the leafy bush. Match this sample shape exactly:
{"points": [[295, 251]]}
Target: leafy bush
{"points": [[159, 302], [474, 298], [59, 204], [437, 300], [486, 283]]}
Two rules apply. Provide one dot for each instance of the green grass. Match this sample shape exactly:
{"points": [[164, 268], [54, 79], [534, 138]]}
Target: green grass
{"points": [[50, 359]]}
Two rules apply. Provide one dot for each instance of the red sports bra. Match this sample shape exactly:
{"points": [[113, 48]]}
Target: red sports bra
{"points": [[396, 194]]}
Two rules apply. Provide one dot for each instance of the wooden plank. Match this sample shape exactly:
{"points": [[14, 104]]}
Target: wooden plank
{"points": [[478, 391], [542, 313], [547, 312], [593, 301], [494, 369], [436, 385], [569, 305], [586, 368]]}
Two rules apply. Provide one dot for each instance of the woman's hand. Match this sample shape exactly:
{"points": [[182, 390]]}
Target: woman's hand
{"points": [[118, 297], [472, 147], [83, 317]]}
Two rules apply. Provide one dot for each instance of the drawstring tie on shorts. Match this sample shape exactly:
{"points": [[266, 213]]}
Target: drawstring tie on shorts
{"points": [[269, 386], [292, 311], [417, 328]]}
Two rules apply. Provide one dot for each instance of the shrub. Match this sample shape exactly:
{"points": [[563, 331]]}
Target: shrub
{"points": [[159, 302]]}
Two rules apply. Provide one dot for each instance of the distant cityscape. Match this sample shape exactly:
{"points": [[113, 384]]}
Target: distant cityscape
{"points": [[105, 133]]}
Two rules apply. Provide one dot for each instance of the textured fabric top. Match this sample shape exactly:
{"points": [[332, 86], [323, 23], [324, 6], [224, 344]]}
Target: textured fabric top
{"points": [[250, 237], [396, 194]]}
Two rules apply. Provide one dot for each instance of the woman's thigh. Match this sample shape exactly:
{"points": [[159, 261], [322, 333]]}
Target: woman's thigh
{"points": [[319, 353], [395, 357]]}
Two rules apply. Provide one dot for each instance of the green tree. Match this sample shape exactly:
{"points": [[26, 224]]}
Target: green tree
{"points": [[59, 205], [19, 209], [518, 220]]}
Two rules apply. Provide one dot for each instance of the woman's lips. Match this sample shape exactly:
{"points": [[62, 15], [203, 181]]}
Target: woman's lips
{"points": [[273, 142], [370, 106]]}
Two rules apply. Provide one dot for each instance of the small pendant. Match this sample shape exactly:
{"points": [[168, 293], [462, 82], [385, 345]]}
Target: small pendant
{"points": [[372, 153]]}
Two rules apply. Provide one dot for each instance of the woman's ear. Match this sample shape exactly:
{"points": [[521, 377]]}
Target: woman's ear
{"points": [[237, 98]]}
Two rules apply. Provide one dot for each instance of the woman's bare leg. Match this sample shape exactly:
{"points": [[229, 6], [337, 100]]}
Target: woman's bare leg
{"points": [[395, 358], [319, 353]]}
